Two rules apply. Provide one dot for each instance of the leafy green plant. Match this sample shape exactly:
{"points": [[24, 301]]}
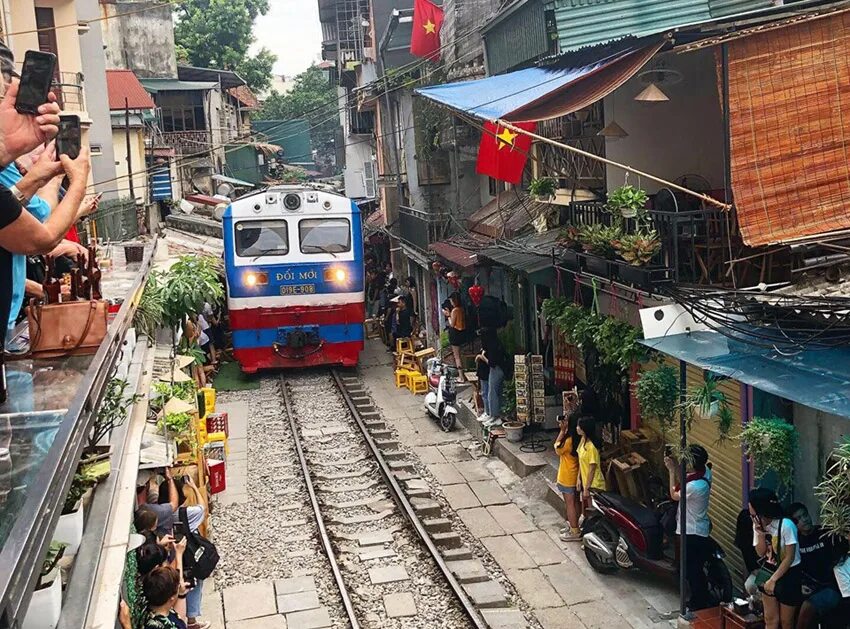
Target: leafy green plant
{"points": [[163, 391], [657, 392], [509, 398], [83, 480], [190, 283], [627, 202], [834, 492], [177, 424], [725, 419], [639, 248], [195, 352], [112, 411], [51, 559], [599, 239], [706, 399], [149, 312], [553, 307], [542, 188], [771, 443], [617, 343], [569, 237], [444, 339]]}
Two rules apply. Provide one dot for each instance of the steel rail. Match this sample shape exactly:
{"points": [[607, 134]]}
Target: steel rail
{"points": [[317, 510], [406, 507]]}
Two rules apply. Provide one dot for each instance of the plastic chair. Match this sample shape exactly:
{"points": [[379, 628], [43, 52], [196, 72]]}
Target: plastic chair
{"points": [[401, 378], [417, 383], [404, 346]]}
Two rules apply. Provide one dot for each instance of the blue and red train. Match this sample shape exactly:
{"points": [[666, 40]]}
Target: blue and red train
{"points": [[295, 279]]}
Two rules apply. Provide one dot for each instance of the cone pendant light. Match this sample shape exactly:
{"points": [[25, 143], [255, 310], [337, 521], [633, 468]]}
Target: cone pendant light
{"points": [[612, 130], [652, 94]]}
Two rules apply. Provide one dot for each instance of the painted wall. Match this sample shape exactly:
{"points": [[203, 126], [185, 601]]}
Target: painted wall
{"points": [[819, 434], [682, 136], [137, 159], [142, 42]]}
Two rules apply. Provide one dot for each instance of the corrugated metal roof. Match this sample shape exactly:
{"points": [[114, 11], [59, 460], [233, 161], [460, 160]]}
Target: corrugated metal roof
{"points": [[457, 256], [518, 38], [123, 84], [174, 85], [526, 254], [589, 22], [507, 218]]}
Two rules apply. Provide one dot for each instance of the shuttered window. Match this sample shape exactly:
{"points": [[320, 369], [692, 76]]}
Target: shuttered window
{"points": [[789, 110]]}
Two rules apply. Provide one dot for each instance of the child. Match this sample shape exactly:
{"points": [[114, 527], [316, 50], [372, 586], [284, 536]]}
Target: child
{"points": [[589, 460], [566, 446]]}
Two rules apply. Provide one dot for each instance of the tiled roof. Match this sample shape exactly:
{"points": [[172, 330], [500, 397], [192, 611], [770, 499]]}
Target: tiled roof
{"points": [[245, 96], [123, 84]]}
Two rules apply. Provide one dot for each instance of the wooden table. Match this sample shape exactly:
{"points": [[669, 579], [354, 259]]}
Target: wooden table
{"points": [[730, 619]]}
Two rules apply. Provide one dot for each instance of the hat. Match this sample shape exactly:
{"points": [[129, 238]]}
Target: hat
{"points": [[395, 299], [7, 62]]}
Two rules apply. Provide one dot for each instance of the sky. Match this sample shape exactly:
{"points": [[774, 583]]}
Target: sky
{"points": [[291, 30]]}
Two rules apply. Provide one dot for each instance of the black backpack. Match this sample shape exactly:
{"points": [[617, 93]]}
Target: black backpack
{"points": [[201, 556]]}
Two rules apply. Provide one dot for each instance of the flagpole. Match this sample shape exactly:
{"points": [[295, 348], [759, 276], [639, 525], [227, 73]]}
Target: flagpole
{"points": [[567, 147]]}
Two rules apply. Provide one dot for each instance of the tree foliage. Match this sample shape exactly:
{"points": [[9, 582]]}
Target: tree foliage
{"points": [[314, 98], [219, 33]]}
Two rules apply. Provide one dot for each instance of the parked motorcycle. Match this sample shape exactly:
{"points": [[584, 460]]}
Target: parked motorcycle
{"points": [[441, 400], [622, 534]]}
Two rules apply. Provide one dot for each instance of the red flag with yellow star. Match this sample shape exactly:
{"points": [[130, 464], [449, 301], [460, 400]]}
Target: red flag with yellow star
{"points": [[502, 153], [427, 21]]}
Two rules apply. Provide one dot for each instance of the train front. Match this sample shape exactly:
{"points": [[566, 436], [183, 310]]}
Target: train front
{"points": [[295, 279]]}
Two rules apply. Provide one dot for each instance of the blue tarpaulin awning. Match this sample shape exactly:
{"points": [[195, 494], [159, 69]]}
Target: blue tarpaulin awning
{"points": [[817, 378], [543, 93]]}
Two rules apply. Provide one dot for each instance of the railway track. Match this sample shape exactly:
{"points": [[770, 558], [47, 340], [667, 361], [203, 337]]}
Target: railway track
{"points": [[386, 566]]}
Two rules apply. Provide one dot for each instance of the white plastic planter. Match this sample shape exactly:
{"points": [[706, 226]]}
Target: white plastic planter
{"points": [[45, 604], [70, 530]]}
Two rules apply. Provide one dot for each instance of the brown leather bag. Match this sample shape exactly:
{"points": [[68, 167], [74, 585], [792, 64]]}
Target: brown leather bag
{"points": [[70, 328]]}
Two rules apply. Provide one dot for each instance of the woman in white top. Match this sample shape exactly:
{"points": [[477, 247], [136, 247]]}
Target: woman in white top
{"points": [[775, 541]]}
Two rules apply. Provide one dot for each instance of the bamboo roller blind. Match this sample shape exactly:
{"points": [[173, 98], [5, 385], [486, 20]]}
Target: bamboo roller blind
{"points": [[789, 111]]}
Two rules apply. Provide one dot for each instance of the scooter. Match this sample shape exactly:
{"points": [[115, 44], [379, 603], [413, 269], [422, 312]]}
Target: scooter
{"points": [[619, 533], [441, 400]]}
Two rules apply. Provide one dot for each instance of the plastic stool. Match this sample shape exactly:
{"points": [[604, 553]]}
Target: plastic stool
{"points": [[417, 383], [401, 378], [404, 346]]}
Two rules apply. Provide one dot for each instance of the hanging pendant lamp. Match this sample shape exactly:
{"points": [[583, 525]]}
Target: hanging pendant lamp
{"points": [[612, 130], [652, 94]]}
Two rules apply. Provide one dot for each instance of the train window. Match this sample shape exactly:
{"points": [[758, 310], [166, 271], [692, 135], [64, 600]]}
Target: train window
{"points": [[325, 235], [262, 238]]}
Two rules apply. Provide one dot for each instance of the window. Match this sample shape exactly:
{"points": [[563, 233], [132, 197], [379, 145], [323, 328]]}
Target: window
{"points": [[325, 235], [96, 149], [262, 238]]}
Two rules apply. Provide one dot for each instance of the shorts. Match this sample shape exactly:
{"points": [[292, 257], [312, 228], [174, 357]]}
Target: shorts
{"points": [[789, 589], [566, 490], [824, 600]]}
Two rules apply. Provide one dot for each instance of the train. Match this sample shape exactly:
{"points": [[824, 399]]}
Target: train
{"points": [[295, 279]]}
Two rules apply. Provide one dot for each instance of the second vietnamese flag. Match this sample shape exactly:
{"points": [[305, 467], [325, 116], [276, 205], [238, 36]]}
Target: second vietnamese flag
{"points": [[425, 38], [503, 153]]}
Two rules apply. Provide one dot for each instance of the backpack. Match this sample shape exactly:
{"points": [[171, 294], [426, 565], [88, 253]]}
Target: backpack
{"points": [[201, 556]]}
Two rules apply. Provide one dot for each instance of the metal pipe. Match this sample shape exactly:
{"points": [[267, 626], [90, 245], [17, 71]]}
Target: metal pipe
{"points": [[683, 494]]}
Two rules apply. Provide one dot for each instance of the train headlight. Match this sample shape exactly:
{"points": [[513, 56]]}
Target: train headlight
{"points": [[336, 275], [252, 278]]}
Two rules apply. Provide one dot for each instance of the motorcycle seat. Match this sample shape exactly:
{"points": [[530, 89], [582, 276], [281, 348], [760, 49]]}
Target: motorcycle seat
{"points": [[643, 516]]}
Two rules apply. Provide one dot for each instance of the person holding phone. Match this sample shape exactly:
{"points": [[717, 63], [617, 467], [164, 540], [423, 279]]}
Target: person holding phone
{"points": [[780, 578], [566, 447]]}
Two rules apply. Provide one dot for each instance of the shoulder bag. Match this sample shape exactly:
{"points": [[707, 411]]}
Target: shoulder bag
{"points": [[201, 556], [63, 329]]}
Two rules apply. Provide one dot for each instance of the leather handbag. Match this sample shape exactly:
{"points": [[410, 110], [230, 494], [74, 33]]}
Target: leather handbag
{"points": [[64, 329]]}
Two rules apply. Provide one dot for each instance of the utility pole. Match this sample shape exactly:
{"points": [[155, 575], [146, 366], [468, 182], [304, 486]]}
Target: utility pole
{"points": [[129, 156]]}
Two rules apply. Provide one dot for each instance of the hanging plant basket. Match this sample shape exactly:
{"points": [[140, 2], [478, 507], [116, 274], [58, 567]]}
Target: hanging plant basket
{"points": [[771, 444]]}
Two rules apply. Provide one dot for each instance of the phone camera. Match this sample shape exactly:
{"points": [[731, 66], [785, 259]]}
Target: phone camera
{"points": [[292, 202]]}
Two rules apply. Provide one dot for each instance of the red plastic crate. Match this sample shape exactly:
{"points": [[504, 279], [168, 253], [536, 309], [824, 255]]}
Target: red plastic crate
{"points": [[217, 422], [218, 476]]}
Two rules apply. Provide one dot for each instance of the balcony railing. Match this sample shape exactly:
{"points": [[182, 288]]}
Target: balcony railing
{"points": [[419, 229], [695, 246], [188, 141], [69, 92]]}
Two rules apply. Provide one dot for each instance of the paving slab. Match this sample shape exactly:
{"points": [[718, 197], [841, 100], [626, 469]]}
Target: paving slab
{"points": [[558, 618], [265, 622], [297, 602], [598, 615], [507, 552], [294, 585], [430, 455], [310, 619], [569, 585], [454, 452], [472, 470], [400, 605], [251, 600], [388, 574], [460, 497], [486, 594], [540, 547], [511, 518], [480, 523], [469, 571], [506, 619], [446, 473], [489, 492], [533, 586]]}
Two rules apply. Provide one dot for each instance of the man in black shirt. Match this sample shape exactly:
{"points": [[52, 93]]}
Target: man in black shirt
{"points": [[819, 553]]}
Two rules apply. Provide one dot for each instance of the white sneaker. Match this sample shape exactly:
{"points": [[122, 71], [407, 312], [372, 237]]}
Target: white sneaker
{"points": [[484, 417], [493, 422]]}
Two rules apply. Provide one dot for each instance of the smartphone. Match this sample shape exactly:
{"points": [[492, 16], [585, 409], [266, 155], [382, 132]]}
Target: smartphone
{"points": [[70, 137], [179, 532], [36, 77]]}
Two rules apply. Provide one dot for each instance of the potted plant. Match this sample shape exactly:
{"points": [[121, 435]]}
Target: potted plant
{"points": [[513, 431], [176, 424], [705, 400], [598, 240], [46, 602], [639, 248], [771, 444], [834, 492], [657, 393], [111, 414], [570, 243], [543, 188], [149, 313], [69, 529], [627, 202]]}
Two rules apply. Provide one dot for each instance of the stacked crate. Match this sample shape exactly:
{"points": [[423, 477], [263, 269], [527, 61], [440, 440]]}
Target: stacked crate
{"points": [[538, 394], [522, 381]]}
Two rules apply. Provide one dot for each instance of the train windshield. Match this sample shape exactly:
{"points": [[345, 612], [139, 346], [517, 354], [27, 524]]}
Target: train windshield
{"points": [[262, 238], [325, 235]]}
